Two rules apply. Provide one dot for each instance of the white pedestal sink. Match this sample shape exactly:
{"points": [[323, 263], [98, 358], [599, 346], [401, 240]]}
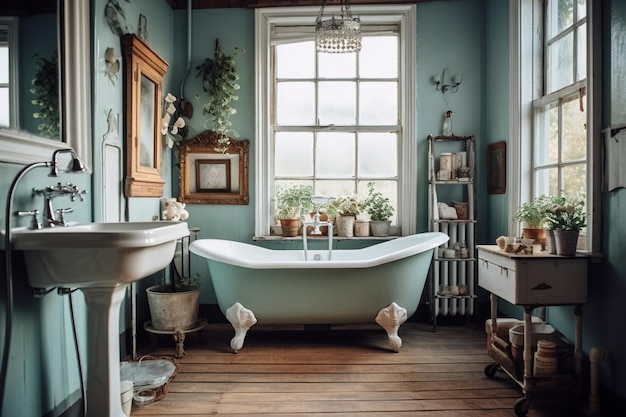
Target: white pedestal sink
{"points": [[101, 259]]}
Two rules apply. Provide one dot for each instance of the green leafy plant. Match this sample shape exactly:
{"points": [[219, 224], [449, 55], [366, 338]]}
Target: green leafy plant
{"points": [[567, 213], [46, 91], [533, 214], [293, 200], [347, 205], [219, 81], [376, 205]]}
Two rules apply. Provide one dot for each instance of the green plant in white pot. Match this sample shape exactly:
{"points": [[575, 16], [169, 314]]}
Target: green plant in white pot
{"points": [[379, 209], [346, 207], [292, 201]]}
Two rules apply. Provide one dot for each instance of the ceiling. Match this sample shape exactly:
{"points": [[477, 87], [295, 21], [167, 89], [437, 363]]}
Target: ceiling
{"points": [[27, 7]]}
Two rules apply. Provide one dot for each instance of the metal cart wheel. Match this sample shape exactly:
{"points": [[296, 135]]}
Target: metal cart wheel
{"points": [[491, 369], [521, 407]]}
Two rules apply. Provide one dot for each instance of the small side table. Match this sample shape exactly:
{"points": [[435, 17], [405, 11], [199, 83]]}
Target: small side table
{"points": [[178, 335]]}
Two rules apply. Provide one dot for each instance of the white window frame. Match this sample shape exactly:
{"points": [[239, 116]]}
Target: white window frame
{"points": [[405, 16], [10, 24], [526, 77]]}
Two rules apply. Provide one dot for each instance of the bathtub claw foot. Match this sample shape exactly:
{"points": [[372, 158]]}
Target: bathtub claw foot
{"points": [[391, 318], [241, 319]]}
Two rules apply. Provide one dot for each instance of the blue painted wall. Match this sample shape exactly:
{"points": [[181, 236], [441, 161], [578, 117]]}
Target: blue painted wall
{"points": [[468, 37]]}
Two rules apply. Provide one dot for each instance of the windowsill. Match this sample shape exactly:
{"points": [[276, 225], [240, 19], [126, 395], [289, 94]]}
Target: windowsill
{"points": [[278, 237]]}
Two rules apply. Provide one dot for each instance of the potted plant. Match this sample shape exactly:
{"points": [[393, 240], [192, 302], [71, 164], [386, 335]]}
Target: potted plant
{"points": [[533, 216], [219, 81], [379, 210], [346, 207], [566, 217], [291, 202]]}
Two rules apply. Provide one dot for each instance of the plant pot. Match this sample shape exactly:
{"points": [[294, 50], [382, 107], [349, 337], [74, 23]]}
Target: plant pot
{"points": [[173, 310], [290, 227], [550, 242], [538, 235], [361, 228], [380, 228], [345, 226], [566, 242]]}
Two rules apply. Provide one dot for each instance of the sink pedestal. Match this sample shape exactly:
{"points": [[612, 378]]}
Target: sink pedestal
{"points": [[103, 356]]}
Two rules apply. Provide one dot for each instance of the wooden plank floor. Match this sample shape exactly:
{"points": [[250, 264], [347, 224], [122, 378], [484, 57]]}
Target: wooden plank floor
{"points": [[349, 371]]}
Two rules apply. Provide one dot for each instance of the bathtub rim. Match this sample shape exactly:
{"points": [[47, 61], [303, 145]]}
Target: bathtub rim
{"points": [[232, 252]]}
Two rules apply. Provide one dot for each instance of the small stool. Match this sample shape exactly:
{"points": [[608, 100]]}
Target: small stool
{"points": [[177, 334]]}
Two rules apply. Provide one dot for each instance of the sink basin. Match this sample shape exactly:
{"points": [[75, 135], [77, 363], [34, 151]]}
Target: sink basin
{"points": [[97, 254], [101, 259]]}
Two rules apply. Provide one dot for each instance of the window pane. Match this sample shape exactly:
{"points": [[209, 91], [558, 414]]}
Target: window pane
{"points": [[574, 133], [295, 103], [337, 103], [293, 154], [378, 103], [4, 65], [560, 63], [4, 104], [560, 16], [379, 57], [295, 60], [574, 179], [378, 155], [581, 9], [334, 188], [581, 58], [547, 139], [337, 65], [547, 182], [335, 155]]}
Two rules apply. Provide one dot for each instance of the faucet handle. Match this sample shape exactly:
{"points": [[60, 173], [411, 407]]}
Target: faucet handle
{"points": [[35, 224], [60, 215]]}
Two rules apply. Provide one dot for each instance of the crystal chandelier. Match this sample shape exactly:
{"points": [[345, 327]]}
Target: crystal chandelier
{"points": [[338, 35]]}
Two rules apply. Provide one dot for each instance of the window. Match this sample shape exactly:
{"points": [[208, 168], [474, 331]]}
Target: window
{"points": [[8, 83], [560, 153], [336, 121]]}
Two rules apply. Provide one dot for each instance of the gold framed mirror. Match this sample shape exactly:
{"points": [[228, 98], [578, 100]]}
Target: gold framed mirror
{"points": [[144, 71], [208, 176]]}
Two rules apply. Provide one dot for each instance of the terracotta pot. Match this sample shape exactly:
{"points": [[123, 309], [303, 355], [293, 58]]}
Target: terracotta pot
{"points": [[538, 235], [361, 228], [290, 227]]}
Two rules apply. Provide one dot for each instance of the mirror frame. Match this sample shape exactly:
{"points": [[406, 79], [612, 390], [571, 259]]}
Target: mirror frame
{"points": [[143, 178], [202, 149], [75, 68]]}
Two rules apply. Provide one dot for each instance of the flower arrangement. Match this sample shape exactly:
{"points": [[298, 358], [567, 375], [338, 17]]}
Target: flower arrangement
{"points": [[171, 132], [567, 213], [533, 214], [376, 205], [347, 205]]}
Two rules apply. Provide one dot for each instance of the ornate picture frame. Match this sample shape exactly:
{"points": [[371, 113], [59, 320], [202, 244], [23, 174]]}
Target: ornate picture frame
{"points": [[144, 71], [496, 168], [199, 159]]}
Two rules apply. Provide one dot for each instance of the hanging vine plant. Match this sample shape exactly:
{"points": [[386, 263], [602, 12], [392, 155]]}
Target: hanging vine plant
{"points": [[219, 81], [46, 91]]}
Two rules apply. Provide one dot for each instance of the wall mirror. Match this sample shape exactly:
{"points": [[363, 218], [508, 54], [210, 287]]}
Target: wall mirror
{"points": [[23, 144], [144, 71], [208, 176]]}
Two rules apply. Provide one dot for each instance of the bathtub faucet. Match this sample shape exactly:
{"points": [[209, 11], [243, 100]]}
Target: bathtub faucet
{"points": [[317, 223], [52, 217]]}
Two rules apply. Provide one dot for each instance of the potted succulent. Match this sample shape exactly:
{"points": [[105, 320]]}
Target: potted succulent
{"points": [[346, 207], [291, 202], [533, 217], [565, 218], [379, 209]]}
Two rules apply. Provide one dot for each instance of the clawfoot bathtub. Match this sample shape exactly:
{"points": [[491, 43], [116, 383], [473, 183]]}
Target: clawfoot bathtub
{"points": [[382, 283]]}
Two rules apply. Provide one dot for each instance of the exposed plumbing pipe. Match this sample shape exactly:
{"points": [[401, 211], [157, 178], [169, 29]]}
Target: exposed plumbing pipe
{"points": [[596, 355], [185, 105]]}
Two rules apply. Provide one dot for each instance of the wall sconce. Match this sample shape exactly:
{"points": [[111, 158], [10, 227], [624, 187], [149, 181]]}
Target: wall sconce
{"points": [[440, 83]]}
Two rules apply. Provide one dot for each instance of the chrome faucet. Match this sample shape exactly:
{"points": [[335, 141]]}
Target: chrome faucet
{"points": [[317, 223], [52, 217]]}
